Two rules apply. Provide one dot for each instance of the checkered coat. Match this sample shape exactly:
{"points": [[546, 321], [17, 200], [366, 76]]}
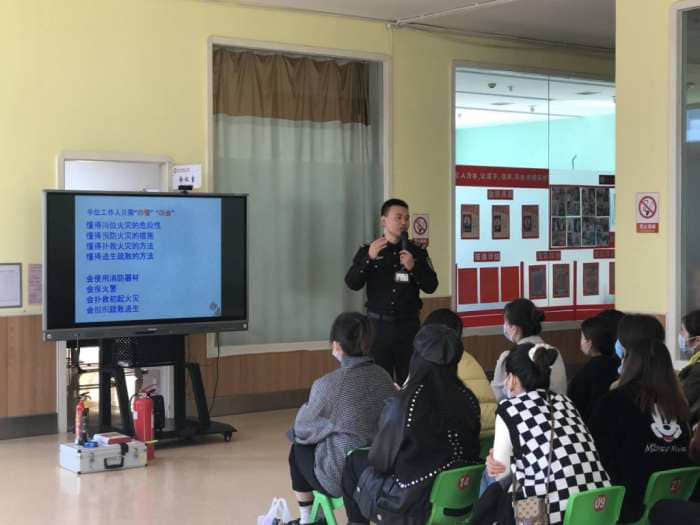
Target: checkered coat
{"points": [[575, 467]]}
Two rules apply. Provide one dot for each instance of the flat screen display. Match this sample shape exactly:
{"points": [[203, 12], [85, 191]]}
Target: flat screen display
{"points": [[123, 264]]}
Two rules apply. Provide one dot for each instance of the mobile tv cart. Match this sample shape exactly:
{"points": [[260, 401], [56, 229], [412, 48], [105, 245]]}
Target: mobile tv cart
{"points": [[151, 351]]}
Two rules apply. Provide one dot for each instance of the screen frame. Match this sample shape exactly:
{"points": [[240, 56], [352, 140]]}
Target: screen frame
{"points": [[147, 327]]}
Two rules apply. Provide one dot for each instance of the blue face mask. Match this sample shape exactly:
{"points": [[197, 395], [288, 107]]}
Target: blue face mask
{"points": [[620, 351]]}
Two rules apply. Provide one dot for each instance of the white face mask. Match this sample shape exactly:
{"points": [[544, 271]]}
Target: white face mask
{"points": [[505, 332], [682, 343], [337, 352]]}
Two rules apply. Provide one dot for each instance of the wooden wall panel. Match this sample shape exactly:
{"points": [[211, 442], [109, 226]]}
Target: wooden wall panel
{"points": [[31, 368], [487, 348], [3, 366]]}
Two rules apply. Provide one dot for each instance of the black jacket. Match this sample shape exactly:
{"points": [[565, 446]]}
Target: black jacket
{"points": [[408, 453], [690, 380], [591, 383], [384, 294]]}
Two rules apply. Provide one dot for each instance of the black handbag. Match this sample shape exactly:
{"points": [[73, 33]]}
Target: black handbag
{"points": [[382, 495]]}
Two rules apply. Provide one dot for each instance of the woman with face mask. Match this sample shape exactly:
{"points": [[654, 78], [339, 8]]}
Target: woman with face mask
{"points": [[523, 435], [689, 343], [641, 427], [595, 377], [522, 323], [341, 414]]}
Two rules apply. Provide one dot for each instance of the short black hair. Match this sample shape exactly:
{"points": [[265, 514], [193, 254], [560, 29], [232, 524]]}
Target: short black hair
{"points": [[392, 202], [352, 331], [692, 323], [598, 331], [446, 317], [612, 317]]}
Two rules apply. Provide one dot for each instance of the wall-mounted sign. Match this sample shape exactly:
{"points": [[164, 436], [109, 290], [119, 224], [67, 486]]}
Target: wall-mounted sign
{"points": [[647, 210]]}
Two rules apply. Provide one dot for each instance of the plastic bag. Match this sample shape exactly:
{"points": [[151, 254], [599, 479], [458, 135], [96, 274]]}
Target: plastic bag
{"points": [[278, 514]]}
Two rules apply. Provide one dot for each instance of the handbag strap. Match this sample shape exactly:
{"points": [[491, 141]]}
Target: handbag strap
{"points": [[516, 487]]}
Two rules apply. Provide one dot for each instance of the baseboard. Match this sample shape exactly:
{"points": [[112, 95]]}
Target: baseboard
{"points": [[25, 426], [244, 403]]}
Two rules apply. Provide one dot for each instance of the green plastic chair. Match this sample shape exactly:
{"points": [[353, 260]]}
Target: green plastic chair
{"points": [[669, 484], [328, 505], [595, 507], [453, 494], [485, 444]]}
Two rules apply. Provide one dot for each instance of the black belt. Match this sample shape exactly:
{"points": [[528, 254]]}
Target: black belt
{"points": [[390, 317]]}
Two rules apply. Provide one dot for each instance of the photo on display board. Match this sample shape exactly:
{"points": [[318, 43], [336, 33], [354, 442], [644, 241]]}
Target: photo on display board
{"points": [[558, 202], [588, 231], [573, 201], [573, 233], [531, 221], [588, 202], [611, 280], [560, 281], [558, 232], [590, 279], [538, 281], [500, 222], [602, 232], [470, 221], [602, 202]]}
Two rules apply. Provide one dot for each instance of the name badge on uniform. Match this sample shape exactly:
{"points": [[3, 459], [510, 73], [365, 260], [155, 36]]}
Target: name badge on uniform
{"points": [[401, 277]]}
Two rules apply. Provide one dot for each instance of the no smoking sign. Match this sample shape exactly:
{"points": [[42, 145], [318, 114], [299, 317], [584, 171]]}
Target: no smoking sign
{"points": [[647, 212], [421, 229]]}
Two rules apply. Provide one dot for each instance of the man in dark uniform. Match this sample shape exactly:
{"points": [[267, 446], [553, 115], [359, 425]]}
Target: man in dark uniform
{"points": [[394, 278]]}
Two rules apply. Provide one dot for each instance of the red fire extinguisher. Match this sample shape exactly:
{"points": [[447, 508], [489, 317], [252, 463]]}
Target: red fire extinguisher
{"points": [[81, 412], [142, 412]]}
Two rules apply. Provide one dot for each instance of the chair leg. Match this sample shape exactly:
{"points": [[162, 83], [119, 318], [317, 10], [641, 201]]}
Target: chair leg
{"points": [[328, 512], [314, 509]]}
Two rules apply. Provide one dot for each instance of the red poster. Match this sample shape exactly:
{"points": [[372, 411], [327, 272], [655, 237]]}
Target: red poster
{"points": [[487, 256], [531, 221], [501, 177], [538, 281], [549, 256], [488, 285], [467, 286], [591, 281], [500, 195], [604, 253], [561, 281], [510, 283], [500, 222], [470, 221]]}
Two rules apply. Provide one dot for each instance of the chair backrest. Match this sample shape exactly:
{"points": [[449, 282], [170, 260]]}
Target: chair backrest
{"points": [[454, 490], [595, 507], [485, 444], [671, 484]]}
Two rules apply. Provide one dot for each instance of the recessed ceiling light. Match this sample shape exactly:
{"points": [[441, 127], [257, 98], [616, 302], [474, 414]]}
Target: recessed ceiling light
{"points": [[501, 103], [588, 93]]}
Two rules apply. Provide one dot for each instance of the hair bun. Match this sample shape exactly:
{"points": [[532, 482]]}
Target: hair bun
{"points": [[537, 315]]}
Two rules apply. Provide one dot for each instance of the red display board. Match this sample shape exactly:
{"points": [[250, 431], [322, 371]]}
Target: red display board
{"points": [[488, 285], [501, 177], [538, 281], [510, 283], [467, 278]]}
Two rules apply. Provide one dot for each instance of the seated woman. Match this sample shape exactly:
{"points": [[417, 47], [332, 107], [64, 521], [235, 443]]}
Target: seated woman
{"points": [[522, 323], [342, 413], [594, 379], [469, 370], [431, 425], [641, 426], [524, 433], [689, 342]]}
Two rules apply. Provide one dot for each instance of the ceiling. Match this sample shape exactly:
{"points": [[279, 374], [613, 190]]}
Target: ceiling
{"points": [[575, 22], [489, 98]]}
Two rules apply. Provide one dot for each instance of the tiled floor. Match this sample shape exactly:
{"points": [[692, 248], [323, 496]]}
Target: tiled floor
{"points": [[211, 483]]}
